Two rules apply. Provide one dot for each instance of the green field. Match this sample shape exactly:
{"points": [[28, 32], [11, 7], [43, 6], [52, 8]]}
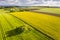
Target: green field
{"points": [[9, 23], [29, 25], [50, 10]]}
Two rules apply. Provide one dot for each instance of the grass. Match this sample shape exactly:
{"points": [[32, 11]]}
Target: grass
{"points": [[8, 25], [48, 24], [50, 10]]}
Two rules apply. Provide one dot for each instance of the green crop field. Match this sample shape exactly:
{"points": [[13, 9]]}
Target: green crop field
{"points": [[50, 10], [12, 28], [27, 25]]}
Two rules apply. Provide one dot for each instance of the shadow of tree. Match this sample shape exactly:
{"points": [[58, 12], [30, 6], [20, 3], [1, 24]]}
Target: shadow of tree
{"points": [[14, 32]]}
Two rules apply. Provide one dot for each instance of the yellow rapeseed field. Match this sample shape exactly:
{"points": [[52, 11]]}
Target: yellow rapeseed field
{"points": [[48, 24]]}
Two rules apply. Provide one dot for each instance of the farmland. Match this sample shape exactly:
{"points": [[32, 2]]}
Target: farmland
{"points": [[9, 22], [46, 23], [50, 10], [28, 25]]}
